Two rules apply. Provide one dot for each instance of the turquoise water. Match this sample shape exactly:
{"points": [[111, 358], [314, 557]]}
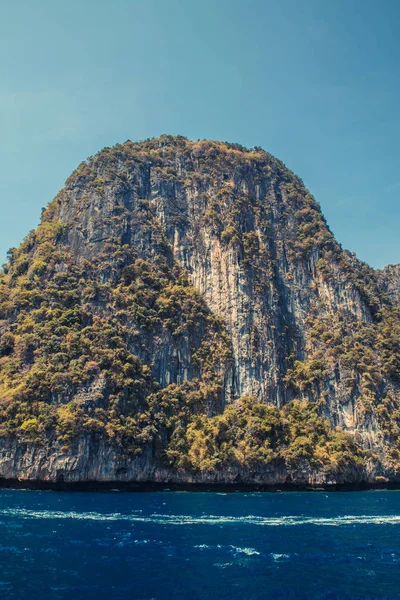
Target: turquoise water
{"points": [[167, 545]]}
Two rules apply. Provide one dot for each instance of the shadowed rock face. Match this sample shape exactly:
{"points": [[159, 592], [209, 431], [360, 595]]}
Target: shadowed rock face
{"points": [[168, 280]]}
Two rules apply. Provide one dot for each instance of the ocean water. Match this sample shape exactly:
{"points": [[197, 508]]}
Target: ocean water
{"points": [[167, 545]]}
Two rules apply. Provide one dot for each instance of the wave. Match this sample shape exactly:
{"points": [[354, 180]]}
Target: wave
{"points": [[278, 557], [230, 548], [166, 519]]}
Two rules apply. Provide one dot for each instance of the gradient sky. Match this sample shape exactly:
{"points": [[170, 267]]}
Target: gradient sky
{"points": [[314, 82]]}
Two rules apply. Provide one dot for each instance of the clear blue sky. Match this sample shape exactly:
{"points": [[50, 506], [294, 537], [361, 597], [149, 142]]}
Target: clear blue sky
{"points": [[314, 82]]}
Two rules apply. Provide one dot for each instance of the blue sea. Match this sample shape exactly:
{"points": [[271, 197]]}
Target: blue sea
{"points": [[167, 545]]}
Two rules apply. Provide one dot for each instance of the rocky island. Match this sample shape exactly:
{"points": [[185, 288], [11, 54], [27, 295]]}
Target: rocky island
{"points": [[184, 315]]}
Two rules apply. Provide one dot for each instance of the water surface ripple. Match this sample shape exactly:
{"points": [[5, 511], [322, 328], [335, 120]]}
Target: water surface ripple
{"points": [[166, 545]]}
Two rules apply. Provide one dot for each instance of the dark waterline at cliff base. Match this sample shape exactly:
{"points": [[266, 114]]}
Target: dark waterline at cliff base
{"points": [[180, 545], [143, 486]]}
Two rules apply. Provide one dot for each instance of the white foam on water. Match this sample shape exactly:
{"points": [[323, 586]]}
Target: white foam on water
{"points": [[223, 565], [247, 551], [229, 548], [167, 519]]}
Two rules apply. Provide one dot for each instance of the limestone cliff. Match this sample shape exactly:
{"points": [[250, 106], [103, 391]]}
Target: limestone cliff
{"points": [[183, 313], [389, 280]]}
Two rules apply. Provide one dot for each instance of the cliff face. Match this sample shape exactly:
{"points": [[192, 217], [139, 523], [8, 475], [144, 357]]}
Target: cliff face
{"points": [[183, 313], [389, 280]]}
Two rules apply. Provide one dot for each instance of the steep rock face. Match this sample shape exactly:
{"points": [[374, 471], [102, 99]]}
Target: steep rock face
{"points": [[184, 313], [389, 279]]}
